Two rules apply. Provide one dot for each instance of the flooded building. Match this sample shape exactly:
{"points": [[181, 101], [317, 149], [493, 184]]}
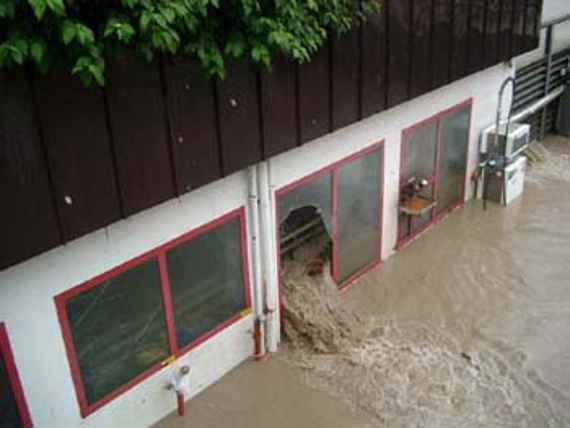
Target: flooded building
{"points": [[146, 224]]}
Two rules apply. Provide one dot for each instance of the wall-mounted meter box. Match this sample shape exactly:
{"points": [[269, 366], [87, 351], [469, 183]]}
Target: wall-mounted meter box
{"points": [[509, 144]]}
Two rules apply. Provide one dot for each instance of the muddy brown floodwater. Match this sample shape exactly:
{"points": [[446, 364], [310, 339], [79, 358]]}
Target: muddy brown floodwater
{"points": [[468, 326]]}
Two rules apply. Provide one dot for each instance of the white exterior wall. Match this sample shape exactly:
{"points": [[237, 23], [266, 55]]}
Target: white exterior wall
{"points": [[552, 9], [28, 289], [27, 307], [483, 87]]}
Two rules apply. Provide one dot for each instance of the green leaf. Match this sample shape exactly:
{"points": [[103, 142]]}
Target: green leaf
{"points": [[39, 7], [38, 51], [68, 32], [7, 9], [84, 34], [56, 6]]}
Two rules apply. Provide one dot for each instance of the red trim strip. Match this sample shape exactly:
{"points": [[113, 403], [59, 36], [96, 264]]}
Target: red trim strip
{"points": [[334, 225], [167, 303], [7, 357], [159, 254]]}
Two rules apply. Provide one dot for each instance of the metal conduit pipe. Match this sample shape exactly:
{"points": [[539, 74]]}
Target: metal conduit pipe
{"points": [[258, 335], [269, 257], [530, 110]]}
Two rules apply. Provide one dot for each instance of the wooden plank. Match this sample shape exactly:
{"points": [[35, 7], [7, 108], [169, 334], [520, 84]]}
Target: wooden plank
{"points": [[476, 55], [191, 104], [139, 130], [400, 50], [374, 65], [531, 38], [518, 28], [345, 79], [505, 30], [279, 106], [314, 96], [460, 40], [28, 218], [238, 106], [442, 42], [422, 59], [76, 138], [492, 33]]}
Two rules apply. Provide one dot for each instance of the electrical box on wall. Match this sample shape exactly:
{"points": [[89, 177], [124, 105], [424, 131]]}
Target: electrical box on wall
{"points": [[510, 143]]}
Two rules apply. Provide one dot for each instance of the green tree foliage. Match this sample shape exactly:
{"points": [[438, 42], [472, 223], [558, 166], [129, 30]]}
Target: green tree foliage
{"points": [[81, 34]]}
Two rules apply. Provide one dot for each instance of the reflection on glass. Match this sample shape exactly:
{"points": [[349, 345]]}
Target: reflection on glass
{"points": [[420, 147], [359, 190], [206, 281], [118, 329], [452, 160]]}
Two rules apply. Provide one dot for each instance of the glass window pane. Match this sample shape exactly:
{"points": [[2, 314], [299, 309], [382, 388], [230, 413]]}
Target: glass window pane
{"points": [[206, 281], [359, 193], [305, 221], [420, 147], [118, 329], [452, 161], [9, 415]]}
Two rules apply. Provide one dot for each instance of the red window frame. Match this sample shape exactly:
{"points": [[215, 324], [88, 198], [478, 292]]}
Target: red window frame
{"points": [[158, 254], [333, 170], [7, 357], [402, 242]]}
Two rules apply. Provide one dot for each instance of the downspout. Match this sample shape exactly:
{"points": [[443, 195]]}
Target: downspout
{"points": [[269, 250], [258, 335]]}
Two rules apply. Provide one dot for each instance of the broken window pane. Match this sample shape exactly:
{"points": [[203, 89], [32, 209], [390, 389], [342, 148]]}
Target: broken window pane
{"points": [[206, 281], [118, 329], [305, 223], [9, 415], [359, 193]]}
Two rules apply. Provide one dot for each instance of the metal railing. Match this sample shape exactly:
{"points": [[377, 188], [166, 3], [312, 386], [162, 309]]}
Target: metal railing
{"points": [[541, 78]]}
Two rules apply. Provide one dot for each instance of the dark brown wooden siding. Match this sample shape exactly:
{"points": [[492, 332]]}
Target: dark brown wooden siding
{"points": [[28, 217], [76, 138], [73, 160], [193, 123], [137, 114]]}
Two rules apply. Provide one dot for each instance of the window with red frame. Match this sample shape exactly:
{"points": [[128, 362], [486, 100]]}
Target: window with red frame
{"points": [[13, 409], [123, 325]]}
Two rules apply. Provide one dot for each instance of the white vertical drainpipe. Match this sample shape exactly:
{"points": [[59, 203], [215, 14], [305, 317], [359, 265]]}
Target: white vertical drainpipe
{"points": [[269, 260], [258, 334]]}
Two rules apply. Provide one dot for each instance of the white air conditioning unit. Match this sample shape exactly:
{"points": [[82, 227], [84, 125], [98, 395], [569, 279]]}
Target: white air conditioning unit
{"points": [[510, 145]]}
